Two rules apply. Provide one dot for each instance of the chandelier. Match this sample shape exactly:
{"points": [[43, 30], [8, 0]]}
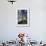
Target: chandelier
{"points": [[12, 1]]}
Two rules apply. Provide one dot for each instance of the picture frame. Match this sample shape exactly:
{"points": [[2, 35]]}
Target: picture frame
{"points": [[22, 17]]}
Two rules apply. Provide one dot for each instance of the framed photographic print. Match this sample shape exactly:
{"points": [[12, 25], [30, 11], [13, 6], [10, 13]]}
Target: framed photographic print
{"points": [[22, 17]]}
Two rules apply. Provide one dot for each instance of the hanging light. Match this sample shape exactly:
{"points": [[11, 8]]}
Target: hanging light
{"points": [[12, 1]]}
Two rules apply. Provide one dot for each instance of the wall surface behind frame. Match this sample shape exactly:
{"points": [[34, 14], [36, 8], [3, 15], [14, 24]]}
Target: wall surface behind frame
{"points": [[37, 29]]}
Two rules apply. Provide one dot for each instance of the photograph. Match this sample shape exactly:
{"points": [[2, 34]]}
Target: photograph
{"points": [[22, 16]]}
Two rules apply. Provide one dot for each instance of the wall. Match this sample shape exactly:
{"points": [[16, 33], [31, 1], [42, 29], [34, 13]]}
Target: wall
{"points": [[37, 29]]}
